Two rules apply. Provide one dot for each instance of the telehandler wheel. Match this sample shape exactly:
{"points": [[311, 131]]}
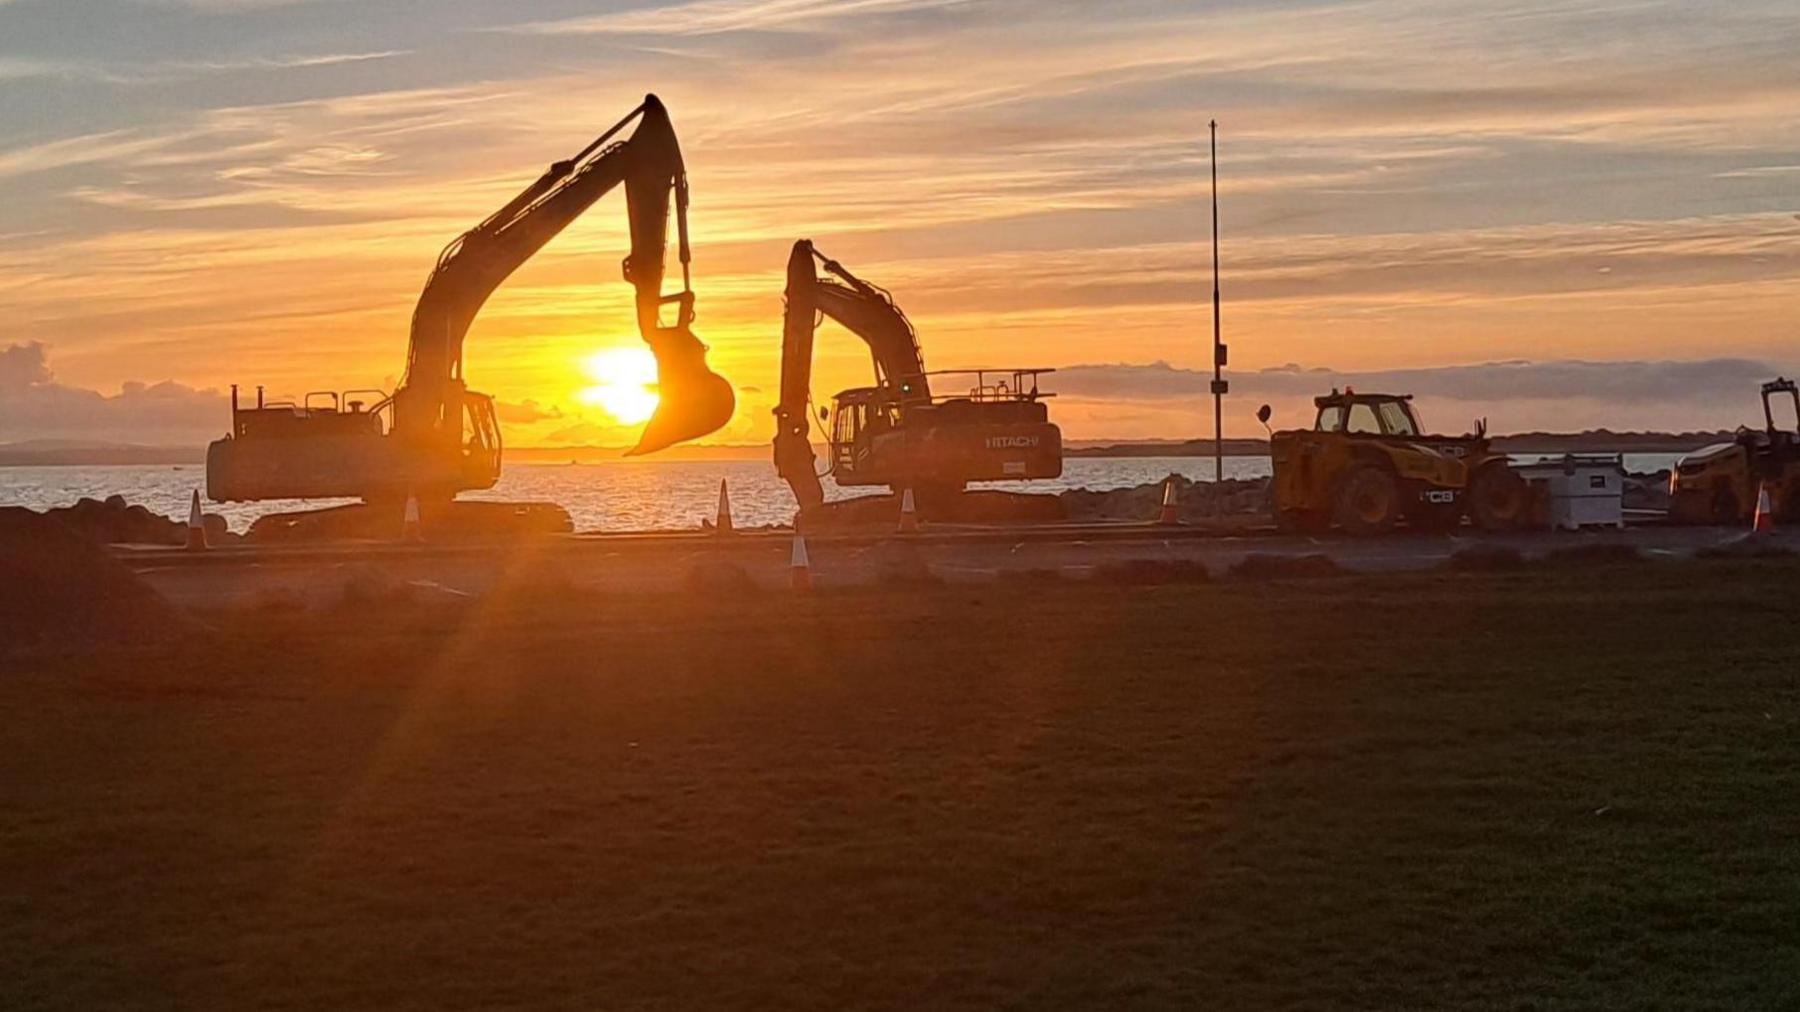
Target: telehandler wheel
{"points": [[1787, 508], [1689, 506], [1725, 509], [1368, 501], [1497, 498]]}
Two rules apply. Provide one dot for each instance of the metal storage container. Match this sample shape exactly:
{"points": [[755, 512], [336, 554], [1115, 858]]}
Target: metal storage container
{"points": [[1580, 491]]}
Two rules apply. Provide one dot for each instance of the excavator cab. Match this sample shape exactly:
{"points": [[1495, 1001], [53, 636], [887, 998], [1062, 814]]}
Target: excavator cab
{"points": [[1770, 392], [481, 450], [853, 414]]}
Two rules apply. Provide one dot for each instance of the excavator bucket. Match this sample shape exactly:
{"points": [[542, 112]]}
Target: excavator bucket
{"points": [[692, 399]]}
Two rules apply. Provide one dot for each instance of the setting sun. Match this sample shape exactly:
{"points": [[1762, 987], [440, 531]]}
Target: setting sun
{"points": [[624, 383]]}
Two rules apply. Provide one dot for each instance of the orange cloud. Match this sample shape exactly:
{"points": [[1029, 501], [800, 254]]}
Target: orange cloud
{"points": [[1404, 185]]}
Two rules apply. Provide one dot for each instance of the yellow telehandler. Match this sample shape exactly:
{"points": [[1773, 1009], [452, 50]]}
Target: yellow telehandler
{"points": [[1366, 465]]}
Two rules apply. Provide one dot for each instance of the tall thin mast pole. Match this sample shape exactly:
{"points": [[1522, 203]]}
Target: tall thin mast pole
{"points": [[1218, 383]]}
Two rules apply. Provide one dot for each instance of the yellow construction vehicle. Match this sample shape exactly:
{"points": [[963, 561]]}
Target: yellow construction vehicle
{"points": [[1367, 464], [1718, 484]]}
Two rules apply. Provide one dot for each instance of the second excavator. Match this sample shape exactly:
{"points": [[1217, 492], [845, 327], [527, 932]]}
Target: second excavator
{"points": [[434, 436], [901, 432]]}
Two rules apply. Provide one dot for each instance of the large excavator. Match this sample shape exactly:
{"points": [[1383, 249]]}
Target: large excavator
{"points": [[899, 432], [434, 437]]}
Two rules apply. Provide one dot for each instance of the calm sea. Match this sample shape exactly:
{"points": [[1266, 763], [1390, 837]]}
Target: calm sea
{"points": [[618, 495]]}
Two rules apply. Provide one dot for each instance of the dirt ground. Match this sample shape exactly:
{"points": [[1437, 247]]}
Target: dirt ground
{"points": [[1542, 788]]}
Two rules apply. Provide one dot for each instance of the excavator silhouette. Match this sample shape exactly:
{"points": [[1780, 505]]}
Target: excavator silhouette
{"points": [[434, 436], [899, 433]]}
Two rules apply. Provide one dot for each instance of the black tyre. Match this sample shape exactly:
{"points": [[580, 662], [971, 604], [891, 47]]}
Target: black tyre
{"points": [[1690, 506], [1368, 501], [1498, 498], [1725, 508], [1787, 508]]}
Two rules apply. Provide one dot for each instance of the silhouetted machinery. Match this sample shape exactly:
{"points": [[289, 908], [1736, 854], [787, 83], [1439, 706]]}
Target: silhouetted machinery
{"points": [[1719, 483], [1367, 463], [434, 436], [900, 432]]}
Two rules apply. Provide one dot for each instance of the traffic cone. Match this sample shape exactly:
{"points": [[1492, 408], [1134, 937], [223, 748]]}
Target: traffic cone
{"points": [[722, 523], [799, 566], [1764, 521], [410, 528], [909, 514], [196, 526], [1167, 516]]}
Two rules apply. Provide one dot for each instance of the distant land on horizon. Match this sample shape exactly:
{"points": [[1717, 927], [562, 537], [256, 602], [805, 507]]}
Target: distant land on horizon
{"points": [[83, 453]]}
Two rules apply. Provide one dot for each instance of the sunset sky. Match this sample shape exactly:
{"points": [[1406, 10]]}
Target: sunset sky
{"points": [[197, 192]]}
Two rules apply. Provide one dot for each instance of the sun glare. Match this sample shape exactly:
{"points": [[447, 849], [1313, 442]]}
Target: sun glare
{"points": [[624, 383]]}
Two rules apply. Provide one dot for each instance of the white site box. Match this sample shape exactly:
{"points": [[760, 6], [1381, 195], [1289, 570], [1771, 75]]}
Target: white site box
{"points": [[1585, 491]]}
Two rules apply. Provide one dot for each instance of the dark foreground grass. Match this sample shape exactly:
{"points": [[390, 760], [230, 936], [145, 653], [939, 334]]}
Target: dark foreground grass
{"points": [[1522, 790]]}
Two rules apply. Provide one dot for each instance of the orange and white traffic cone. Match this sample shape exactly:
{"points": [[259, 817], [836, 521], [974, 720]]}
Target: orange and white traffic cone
{"points": [[799, 566], [722, 522], [196, 525], [909, 513], [1167, 516], [1764, 521], [410, 528]]}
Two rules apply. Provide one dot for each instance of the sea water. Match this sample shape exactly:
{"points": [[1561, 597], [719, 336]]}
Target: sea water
{"points": [[611, 495]]}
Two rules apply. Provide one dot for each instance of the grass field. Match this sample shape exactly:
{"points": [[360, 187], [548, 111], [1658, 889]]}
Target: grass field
{"points": [[1522, 790]]}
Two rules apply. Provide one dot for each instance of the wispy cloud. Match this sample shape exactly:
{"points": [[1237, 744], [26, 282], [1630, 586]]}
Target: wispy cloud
{"points": [[139, 73], [1494, 383], [1403, 184], [705, 17], [1514, 396], [1760, 172], [282, 62], [112, 146]]}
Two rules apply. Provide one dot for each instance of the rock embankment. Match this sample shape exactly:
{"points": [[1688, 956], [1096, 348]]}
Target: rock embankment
{"points": [[115, 522], [1233, 498], [980, 506], [61, 589], [1249, 498]]}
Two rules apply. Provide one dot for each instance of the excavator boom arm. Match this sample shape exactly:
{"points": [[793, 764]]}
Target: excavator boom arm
{"points": [[861, 308], [649, 164]]}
